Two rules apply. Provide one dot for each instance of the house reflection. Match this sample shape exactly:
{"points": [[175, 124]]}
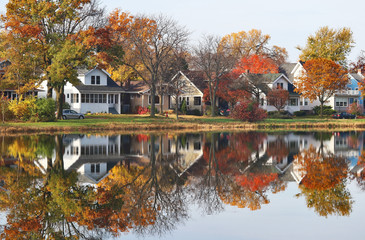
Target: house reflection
{"points": [[94, 156]]}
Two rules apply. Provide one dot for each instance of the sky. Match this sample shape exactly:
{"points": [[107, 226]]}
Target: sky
{"points": [[288, 22]]}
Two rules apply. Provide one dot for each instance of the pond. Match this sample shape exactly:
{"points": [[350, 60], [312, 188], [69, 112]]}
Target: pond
{"points": [[242, 185]]}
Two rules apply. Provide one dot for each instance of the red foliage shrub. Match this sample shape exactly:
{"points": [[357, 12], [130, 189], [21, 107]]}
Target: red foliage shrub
{"points": [[249, 111], [142, 110]]}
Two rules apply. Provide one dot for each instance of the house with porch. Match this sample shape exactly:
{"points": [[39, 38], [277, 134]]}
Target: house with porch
{"points": [[95, 92]]}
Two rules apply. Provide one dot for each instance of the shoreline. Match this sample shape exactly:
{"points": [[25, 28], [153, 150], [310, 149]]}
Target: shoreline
{"points": [[181, 127]]}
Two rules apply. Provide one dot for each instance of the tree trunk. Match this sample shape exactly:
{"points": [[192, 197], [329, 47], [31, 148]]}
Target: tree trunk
{"points": [[49, 91], [177, 107], [212, 106], [59, 99], [161, 105], [153, 94], [321, 109]]}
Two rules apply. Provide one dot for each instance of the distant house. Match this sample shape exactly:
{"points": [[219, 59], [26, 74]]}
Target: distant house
{"points": [[96, 92], [339, 102], [272, 81], [344, 98], [137, 94], [11, 92]]}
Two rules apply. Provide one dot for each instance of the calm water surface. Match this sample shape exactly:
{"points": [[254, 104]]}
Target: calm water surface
{"points": [[249, 185]]}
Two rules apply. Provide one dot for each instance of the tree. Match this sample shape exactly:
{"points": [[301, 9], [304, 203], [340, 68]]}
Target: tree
{"points": [[152, 41], [321, 80], [328, 43], [359, 65], [259, 64], [47, 25], [254, 42], [278, 98], [215, 61], [64, 69]]}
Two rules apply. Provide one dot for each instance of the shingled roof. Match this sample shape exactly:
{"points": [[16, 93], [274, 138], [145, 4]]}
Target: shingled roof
{"points": [[110, 87], [357, 76], [286, 69]]}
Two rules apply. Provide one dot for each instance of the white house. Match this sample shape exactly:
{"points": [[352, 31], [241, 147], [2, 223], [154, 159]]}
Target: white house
{"points": [[96, 92]]}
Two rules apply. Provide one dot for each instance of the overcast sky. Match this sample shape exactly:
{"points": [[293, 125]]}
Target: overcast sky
{"points": [[288, 22]]}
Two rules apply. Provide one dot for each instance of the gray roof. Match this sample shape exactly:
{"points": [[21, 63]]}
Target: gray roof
{"points": [[357, 76], [286, 69], [110, 87], [267, 78], [82, 71]]}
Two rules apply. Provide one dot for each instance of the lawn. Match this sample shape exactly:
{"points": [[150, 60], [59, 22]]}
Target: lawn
{"points": [[145, 122]]}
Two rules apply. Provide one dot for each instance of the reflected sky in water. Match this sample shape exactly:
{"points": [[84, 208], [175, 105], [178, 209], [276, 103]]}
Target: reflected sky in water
{"points": [[250, 185]]}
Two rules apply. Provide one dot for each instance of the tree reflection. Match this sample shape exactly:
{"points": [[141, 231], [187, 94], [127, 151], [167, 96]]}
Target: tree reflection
{"points": [[226, 180], [324, 182], [150, 193], [43, 209]]}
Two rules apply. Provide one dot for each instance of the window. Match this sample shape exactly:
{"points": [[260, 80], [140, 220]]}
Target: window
{"points": [[82, 98], [91, 98], [187, 101], [92, 79], [68, 96], [197, 146], [74, 151], [279, 85], [157, 100], [306, 103], [98, 80], [197, 101], [100, 98], [95, 168], [74, 98], [293, 102], [87, 98]]}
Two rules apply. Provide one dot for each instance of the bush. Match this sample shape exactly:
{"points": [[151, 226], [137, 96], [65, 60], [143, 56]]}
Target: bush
{"points": [[208, 110], [327, 110], [355, 109], [195, 112], [5, 113], [183, 107], [249, 111], [141, 110], [299, 113], [45, 110], [66, 105], [23, 109], [149, 109]]}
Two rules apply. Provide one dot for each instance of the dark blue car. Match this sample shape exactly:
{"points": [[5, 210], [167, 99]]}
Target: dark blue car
{"points": [[343, 115]]}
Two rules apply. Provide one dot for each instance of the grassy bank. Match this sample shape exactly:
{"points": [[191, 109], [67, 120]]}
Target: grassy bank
{"points": [[138, 123]]}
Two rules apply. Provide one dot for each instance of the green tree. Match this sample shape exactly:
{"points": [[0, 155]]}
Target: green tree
{"points": [[328, 43]]}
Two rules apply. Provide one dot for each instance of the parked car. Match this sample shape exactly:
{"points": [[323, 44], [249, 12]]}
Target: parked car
{"points": [[343, 115], [71, 114], [224, 112]]}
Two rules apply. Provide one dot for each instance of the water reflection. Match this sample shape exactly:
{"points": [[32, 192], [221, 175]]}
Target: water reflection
{"points": [[94, 186]]}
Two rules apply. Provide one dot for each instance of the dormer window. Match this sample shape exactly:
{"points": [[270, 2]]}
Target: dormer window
{"points": [[95, 80]]}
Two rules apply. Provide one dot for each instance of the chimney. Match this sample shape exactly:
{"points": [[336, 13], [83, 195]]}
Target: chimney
{"points": [[359, 71]]}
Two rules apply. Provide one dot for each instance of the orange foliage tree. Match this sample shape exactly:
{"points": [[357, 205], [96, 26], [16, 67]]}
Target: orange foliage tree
{"points": [[255, 64], [321, 79]]}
